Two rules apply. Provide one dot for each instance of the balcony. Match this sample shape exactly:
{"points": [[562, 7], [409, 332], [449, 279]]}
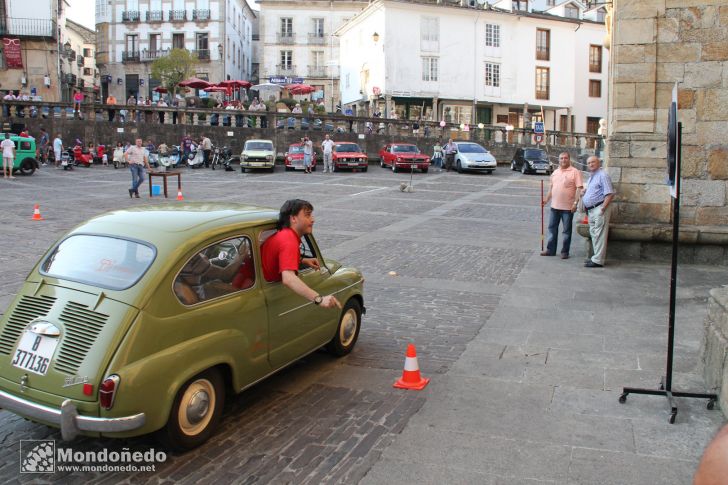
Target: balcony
{"points": [[149, 56], [317, 71], [130, 16], [201, 15], [22, 27], [70, 79], [130, 56], [285, 69], [155, 16], [317, 38], [177, 15], [285, 38], [202, 54]]}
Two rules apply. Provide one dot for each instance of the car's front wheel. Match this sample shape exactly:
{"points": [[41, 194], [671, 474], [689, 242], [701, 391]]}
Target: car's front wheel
{"points": [[348, 330], [27, 166], [524, 170], [381, 162], [513, 165], [196, 412], [459, 167]]}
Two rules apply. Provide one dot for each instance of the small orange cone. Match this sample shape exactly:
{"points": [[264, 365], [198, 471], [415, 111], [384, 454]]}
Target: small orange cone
{"points": [[411, 378], [179, 195], [36, 213]]}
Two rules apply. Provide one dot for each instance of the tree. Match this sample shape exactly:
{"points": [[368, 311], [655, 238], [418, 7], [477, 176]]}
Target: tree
{"points": [[174, 68]]}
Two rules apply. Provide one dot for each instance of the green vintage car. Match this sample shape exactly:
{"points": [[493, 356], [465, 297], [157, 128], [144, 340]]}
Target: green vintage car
{"points": [[25, 151], [138, 320]]}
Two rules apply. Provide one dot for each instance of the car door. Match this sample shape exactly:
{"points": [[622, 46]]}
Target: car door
{"points": [[297, 326], [518, 158]]}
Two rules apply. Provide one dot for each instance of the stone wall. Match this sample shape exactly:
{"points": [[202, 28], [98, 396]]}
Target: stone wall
{"points": [[714, 353], [654, 44]]}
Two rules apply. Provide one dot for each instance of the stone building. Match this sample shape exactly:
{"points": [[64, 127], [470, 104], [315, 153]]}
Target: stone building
{"points": [[78, 63], [656, 43]]}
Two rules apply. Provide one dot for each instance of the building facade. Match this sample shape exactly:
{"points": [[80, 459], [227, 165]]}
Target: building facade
{"points": [[78, 62], [29, 61], [298, 43], [131, 34], [467, 62]]}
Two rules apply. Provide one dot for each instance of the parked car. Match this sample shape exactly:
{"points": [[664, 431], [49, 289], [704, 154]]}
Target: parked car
{"points": [[531, 160], [25, 161], [139, 320], [348, 155], [403, 156], [294, 157], [473, 157], [258, 154]]}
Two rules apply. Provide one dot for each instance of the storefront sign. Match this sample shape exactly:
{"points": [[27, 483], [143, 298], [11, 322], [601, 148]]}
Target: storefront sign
{"points": [[13, 56]]}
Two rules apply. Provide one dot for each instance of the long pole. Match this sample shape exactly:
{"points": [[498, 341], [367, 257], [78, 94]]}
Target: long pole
{"points": [[541, 215]]}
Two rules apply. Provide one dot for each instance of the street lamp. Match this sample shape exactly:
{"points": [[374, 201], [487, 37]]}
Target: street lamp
{"points": [[219, 50], [375, 37]]}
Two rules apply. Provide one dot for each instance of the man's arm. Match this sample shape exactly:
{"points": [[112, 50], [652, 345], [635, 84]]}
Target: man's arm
{"points": [[607, 201], [294, 283]]}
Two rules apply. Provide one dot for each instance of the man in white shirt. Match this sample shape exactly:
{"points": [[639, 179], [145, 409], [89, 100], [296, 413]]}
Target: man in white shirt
{"points": [[57, 149], [327, 146], [206, 146], [8, 148]]}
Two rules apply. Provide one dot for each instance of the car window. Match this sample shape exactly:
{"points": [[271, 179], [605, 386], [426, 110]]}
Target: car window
{"points": [[347, 148], [471, 148], [295, 149], [25, 145], [535, 154], [405, 149], [102, 261], [218, 270], [258, 145]]}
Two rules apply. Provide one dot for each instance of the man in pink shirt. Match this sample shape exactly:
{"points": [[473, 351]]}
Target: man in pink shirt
{"points": [[566, 185]]}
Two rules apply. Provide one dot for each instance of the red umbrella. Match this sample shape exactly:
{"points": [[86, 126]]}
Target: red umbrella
{"points": [[216, 89], [235, 84], [195, 83], [160, 89], [300, 88]]}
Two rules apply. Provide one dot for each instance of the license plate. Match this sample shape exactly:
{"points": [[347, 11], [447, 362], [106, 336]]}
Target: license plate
{"points": [[354, 163], [541, 171], [256, 164], [34, 352]]}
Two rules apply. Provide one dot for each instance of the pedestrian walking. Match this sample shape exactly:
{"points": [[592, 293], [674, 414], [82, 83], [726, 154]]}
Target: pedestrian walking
{"points": [[57, 149], [307, 154], [450, 150], [136, 157], [566, 186], [44, 144], [8, 148], [597, 199], [437, 156], [327, 147]]}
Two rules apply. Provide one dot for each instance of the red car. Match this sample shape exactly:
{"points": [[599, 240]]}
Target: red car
{"points": [[349, 155], [403, 156], [294, 157]]}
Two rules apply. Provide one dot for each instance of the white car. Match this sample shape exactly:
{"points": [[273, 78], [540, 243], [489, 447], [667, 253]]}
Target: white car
{"points": [[258, 154], [473, 157]]}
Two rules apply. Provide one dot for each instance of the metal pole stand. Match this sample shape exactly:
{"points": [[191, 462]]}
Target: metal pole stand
{"points": [[666, 381]]}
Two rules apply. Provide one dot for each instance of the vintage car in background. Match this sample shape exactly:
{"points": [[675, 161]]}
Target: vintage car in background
{"points": [[293, 158], [531, 160], [403, 156], [258, 154], [138, 320], [473, 157], [348, 155], [25, 161]]}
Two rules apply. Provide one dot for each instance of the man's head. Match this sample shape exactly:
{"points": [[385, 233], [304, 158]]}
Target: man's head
{"points": [[564, 160], [298, 215], [7, 136], [327, 137], [139, 142], [593, 163]]}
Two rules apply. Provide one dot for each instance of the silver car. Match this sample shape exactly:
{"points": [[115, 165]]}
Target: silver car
{"points": [[473, 157]]}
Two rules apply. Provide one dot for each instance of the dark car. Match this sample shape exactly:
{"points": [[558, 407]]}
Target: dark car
{"points": [[531, 160]]}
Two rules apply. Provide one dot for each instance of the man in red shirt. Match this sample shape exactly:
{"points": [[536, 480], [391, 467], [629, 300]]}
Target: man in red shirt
{"points": [[280, 256], [564, 196]]}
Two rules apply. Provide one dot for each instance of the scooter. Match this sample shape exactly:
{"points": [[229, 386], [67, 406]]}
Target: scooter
{"points": [[119, 159], [85, 159], [153, 158], [196, 158], [227, 158]]}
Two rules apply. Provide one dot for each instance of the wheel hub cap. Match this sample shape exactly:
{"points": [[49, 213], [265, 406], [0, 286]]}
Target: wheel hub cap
{"points": [[197, 407]]}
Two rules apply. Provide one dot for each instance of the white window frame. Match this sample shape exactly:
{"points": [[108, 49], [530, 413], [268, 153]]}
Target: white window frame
{"points": [[430, 68], [492, 35], [429, 34]]}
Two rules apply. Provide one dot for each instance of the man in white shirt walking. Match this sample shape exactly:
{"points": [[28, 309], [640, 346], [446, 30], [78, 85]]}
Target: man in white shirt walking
{"points": [[8, 148], [327, 146]]}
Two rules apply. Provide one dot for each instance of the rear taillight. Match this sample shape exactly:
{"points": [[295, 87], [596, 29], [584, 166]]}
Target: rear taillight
{"points": [[107, 391]]}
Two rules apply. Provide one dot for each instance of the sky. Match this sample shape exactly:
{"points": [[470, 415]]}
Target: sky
{"points": [[83, 12]]}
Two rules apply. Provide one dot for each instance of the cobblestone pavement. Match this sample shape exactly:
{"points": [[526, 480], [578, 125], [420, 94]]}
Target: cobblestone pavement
{"points": [[523, 386]]}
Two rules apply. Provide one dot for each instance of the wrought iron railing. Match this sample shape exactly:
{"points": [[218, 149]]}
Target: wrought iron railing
{"points": [[22, 27], [317, 71], [201, 14], [285, 69], [177, 15], [202, 54], [316, 38], [147, 55], [285, 37], [155, 16], [130, 56], [130, 16]]}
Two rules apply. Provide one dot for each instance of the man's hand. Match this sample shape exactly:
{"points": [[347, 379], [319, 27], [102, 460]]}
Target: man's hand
{"points": [[329, 301], [311, 263]]}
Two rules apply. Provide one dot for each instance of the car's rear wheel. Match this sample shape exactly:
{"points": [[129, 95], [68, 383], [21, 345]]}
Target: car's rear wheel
{"points": [[27, 166], [196, 411], [348, 330]]}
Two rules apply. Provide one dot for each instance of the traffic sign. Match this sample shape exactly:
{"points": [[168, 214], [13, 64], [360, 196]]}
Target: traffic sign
{"points": [[538, 128], [538, 138]]}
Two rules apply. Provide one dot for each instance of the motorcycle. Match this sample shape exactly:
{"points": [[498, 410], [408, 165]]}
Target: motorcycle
{"points": [[170, 159], [153, 158], [195, 158], [221, 157]]}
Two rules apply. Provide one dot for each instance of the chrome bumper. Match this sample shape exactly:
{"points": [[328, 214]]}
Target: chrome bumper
{"points": [[67, 418]]}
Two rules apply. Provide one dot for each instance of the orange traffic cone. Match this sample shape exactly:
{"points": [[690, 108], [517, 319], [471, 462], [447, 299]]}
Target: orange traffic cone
{"points": [[411, 378], [179, 195], [36, 213]]}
